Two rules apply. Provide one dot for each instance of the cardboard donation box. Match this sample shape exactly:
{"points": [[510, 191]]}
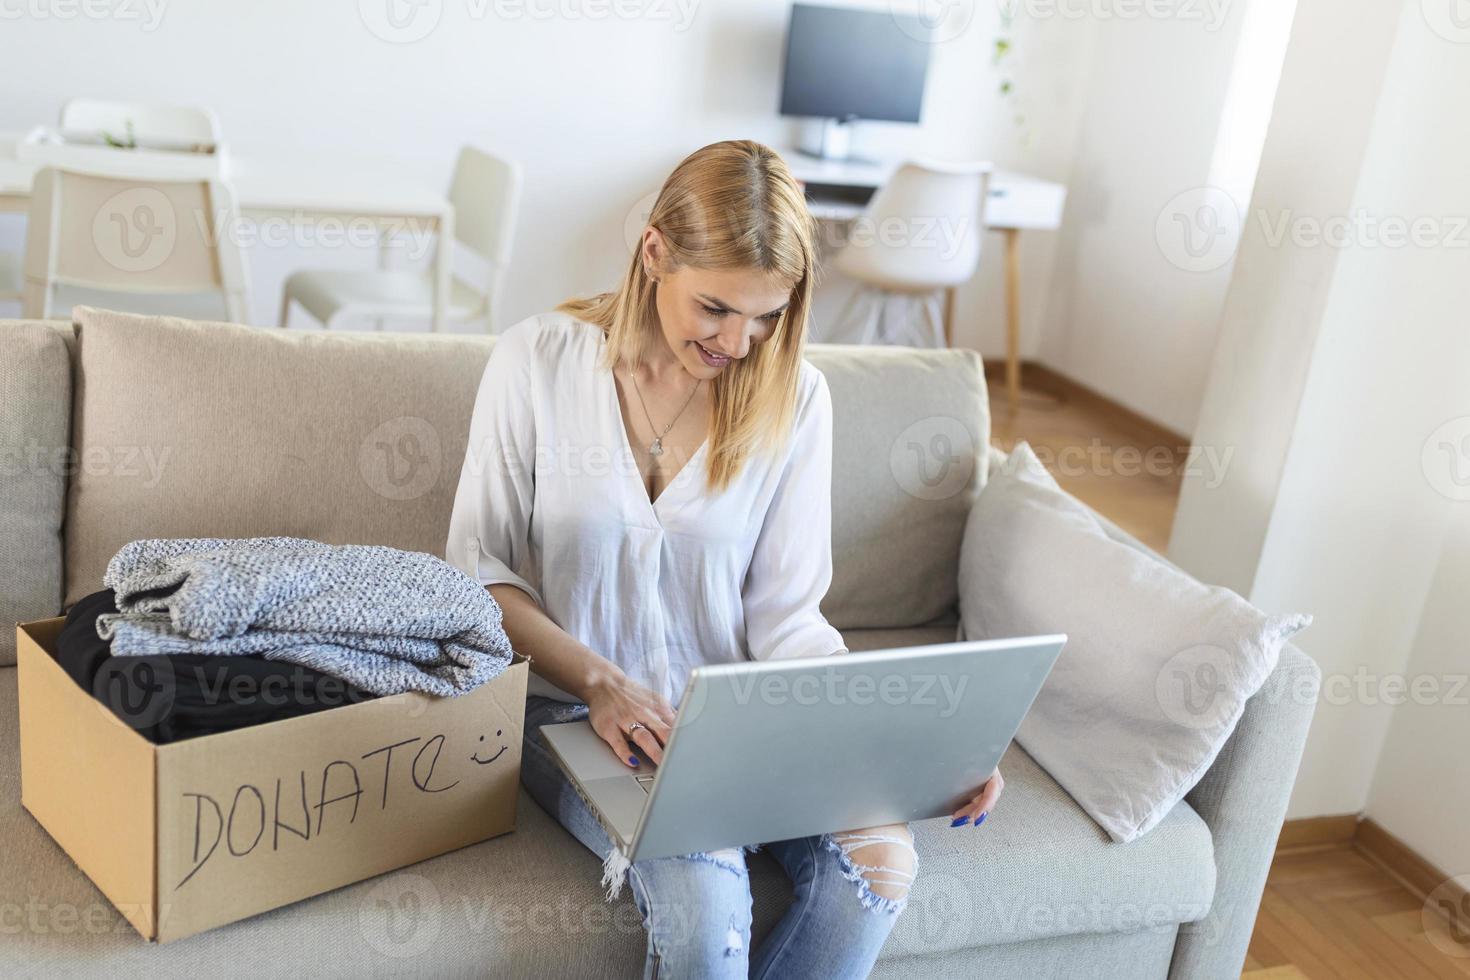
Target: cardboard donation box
{"points": [[193, 834]]}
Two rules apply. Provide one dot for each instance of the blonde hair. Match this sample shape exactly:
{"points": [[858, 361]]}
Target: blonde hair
{"points": [[729, 205]]}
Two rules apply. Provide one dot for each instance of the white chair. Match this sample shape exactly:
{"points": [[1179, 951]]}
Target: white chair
{"points": [[11, 290], [919, 237], [135, 241], [159, 127], [485, 194]]}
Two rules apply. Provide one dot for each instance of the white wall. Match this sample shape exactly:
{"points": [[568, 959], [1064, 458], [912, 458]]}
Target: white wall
{"points": [[1049, 62], [1318, 136], [1400, 606], [1122, 316], [1359, 360], [1421, 786], [598, 108]]}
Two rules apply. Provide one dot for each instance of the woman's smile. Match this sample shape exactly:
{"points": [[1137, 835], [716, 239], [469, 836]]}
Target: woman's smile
{"points": [[710, 357]]}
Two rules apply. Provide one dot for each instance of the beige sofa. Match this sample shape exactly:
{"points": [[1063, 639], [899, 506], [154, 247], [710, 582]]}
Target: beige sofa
{"points": [[119, 427]]}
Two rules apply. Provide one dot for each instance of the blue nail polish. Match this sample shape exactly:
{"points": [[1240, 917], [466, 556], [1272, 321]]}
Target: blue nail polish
{"points": [[632, 760], [981, 819], [959, 821]]}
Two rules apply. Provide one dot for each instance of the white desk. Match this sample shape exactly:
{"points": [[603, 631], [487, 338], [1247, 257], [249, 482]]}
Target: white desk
{"points": [[267, 188], [1016, 202]]}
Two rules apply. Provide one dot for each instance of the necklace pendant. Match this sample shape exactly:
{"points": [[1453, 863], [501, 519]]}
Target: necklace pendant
{"points": [[657, 449]]}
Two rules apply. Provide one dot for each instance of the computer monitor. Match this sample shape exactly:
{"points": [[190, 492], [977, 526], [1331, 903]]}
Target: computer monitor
{"points": [[844, 64]]}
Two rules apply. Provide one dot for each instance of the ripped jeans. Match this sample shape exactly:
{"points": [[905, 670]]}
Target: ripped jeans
{"points": [[696, 908]]}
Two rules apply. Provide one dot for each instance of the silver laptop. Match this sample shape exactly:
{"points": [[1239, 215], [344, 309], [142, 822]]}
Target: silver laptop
{"points": [[767, 751]]}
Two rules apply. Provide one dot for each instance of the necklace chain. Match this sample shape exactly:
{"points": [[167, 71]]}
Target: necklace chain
{"points": [[656, 448]]}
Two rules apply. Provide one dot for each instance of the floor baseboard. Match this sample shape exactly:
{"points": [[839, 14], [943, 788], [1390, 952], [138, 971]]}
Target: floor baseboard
{"points": [[1327, 831], [1403, 862], [1366, 836]]}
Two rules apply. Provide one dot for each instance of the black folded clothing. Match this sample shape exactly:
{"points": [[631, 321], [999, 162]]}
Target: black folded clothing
{"points": [[171, 697]]}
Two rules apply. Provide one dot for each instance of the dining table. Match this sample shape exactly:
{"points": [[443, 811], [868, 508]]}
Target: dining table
{"points": [[301, 191]]}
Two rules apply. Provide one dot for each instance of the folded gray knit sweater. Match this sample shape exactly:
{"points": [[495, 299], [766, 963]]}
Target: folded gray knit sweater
{"points": [[384, 620]]}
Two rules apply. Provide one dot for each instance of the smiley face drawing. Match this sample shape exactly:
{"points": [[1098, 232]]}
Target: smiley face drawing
{"points": [[475, 756]]}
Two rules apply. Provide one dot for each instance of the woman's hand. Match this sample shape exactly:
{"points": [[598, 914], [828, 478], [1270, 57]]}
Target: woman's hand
{"points": [[623, 711], [616, 703], [980, 807]]}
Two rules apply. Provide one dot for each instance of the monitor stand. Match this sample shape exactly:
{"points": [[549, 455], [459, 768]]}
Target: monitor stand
{"points": [[833, 141]]}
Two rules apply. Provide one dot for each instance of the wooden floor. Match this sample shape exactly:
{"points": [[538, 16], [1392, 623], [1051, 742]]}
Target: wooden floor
{"points": [[1333, 913], [1327, 913], [1078, 436]]}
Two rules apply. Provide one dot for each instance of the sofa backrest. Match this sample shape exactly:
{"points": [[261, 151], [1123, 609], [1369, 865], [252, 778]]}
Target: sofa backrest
{"points": [[194, 429], [35, 422], [910, 431], [184, 429]]}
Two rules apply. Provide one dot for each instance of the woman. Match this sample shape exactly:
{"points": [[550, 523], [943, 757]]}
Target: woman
{"points": [[648, 488]]}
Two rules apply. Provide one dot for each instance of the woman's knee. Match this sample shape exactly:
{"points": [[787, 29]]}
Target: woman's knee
{"points": [[881, 860], [696, 908]]}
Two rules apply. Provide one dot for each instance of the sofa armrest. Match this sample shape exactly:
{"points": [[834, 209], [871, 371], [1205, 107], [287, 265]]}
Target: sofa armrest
{"points": [[1243, 800]]}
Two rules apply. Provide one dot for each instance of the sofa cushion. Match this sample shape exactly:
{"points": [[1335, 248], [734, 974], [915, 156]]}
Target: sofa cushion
{"points": [[35, 423], [529, 903], [909, 433], [1157, 668], [219, 430], [885, 639]]}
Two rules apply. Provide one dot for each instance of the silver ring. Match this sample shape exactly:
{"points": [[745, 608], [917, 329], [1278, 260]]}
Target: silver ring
{"points": [[635, 726]]}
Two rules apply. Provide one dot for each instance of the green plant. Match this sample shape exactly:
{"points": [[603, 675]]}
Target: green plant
{"points": [[128, 142], [1001, 54]]}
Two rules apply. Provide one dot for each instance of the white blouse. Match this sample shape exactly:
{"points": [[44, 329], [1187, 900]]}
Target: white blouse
{"points": [[551, 500]]}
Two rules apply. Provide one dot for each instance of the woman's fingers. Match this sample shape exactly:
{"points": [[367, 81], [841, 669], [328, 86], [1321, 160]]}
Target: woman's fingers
{"points": [[661, 730], [661, 710], [619, 744], [645, 740], [647, 737], [973, 812], [979, 808], [988, 797], [651, 736], [617, 741], [634, 717], [657, 713]]}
